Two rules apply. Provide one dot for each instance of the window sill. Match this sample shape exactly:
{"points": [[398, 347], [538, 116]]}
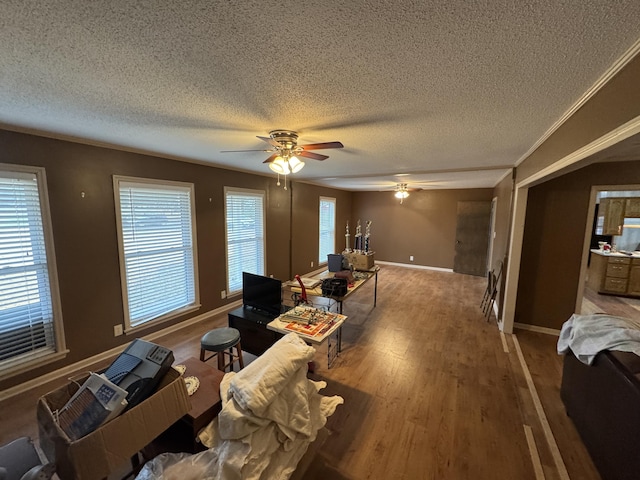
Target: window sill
{"points": [[160, 320], [236, 294], [13, 369]]}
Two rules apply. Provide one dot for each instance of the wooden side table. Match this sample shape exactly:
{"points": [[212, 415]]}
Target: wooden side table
{"points": [[205, 406], [205, 402]]}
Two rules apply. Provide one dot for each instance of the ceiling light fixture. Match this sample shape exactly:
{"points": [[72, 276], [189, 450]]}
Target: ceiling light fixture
{"points": [[401, 192], [295, 164], [284, 164], [280, 165]]}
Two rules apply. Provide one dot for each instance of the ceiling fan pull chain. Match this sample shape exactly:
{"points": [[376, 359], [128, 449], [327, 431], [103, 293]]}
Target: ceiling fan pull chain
{"points": [[278, 184], [285, 182]]}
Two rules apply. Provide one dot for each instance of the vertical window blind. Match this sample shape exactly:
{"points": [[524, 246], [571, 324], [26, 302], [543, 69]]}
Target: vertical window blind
{"points": [[327, 228], [26, 312], [245, 235], [157, 249]]}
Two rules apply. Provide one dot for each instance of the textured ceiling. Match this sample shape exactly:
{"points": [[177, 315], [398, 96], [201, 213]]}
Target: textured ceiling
{"points": [[445, 94]]}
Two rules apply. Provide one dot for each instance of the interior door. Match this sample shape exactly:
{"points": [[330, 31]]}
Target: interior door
{"points": [[472, 238]]}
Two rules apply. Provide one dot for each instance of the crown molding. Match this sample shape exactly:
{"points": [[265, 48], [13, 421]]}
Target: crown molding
{"points": [[622, 62]]}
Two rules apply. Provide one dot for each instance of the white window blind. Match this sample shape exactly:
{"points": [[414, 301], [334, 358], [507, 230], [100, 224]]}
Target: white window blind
{"points": [[157, 249], [26, 312], [327, 241], [245, 235]]}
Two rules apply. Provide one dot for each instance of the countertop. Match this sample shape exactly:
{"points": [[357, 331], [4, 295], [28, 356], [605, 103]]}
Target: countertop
{"points": [[635, 254]]}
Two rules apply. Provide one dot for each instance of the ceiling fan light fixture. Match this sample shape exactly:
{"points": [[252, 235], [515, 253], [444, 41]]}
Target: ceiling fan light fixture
{"points": [[280, 165], [401, 191], [286, 152], [402, 194], [295, 164]]}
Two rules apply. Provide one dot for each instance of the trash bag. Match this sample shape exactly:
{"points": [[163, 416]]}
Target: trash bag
{"points": [[181, 466]]}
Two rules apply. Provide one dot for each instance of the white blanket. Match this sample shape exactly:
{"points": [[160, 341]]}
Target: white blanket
{"points": [[262, 382], [271, 412], [586, 335]]}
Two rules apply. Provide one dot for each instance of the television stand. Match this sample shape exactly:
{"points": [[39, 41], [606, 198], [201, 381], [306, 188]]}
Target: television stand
{"points": [[255, 338]]}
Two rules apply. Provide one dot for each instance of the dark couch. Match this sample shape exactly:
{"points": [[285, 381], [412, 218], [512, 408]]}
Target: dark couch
{"points": [[603, 401]]}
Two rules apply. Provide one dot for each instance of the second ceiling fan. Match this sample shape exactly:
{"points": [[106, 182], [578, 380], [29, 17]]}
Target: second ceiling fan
{"points": [[286, 151]]}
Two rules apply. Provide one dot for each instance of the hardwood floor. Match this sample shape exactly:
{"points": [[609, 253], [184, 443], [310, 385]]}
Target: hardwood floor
{"points": [[432, 390], [545, 366], [594, 302]]}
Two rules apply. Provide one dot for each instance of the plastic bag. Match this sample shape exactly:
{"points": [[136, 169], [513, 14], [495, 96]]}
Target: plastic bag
{"points": [[181, 466]]}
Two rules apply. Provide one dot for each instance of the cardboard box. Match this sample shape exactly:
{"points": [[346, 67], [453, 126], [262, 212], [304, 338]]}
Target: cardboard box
{"points": [[361, 261], [113, 444]]}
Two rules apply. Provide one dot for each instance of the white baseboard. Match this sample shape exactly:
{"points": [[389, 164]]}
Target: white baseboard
{"points": [[411, 265], [87, 362], [535, 328]]}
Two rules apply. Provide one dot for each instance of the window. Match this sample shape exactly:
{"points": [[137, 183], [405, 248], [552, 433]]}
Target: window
{"points": [[327, 228], [30, 319], [244, 214], [157, 249]]}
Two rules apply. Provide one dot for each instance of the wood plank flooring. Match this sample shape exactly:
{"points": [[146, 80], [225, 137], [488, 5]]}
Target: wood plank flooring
{"points": [[429, 391], [594, 302]]}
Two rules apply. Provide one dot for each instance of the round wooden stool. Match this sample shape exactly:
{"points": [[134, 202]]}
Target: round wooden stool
{"points": [[219, 340]]}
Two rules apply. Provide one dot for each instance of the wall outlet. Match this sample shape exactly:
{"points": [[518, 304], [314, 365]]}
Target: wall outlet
{"points": [[223, 294], [411, 258], [117, 330], [311, 264]]}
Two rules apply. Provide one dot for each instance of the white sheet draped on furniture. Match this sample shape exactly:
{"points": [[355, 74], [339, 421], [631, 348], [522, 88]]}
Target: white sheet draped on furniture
{"points": [[270, 414], [586, 335]]}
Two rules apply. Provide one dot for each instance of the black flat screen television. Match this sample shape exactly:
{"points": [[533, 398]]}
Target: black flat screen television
{"points": [[262, 293]]}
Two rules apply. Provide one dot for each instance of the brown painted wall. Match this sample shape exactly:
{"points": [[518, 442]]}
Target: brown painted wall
{"points": [[556, 215], [615, 104], [86, 242], [553, 240], [423, 226], [503, 191], [306, 228]]}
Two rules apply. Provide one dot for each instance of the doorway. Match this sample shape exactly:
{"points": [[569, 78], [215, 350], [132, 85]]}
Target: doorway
{"points": [[590, 301]]}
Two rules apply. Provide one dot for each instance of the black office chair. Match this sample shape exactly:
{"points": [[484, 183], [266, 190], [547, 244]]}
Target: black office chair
{"points": [[19, 460]]}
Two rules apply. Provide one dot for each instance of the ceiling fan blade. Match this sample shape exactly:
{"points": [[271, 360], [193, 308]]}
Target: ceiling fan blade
{"points": [[318, 146], [315, 156], [233, 151], [270, 141], [271, 158]]}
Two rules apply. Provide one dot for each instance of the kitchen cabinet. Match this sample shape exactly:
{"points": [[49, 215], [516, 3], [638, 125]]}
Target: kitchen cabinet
{"points": [[632, 208], [634, 278], [618, 267], [614, 274], [614, 285], [612, 209]]}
